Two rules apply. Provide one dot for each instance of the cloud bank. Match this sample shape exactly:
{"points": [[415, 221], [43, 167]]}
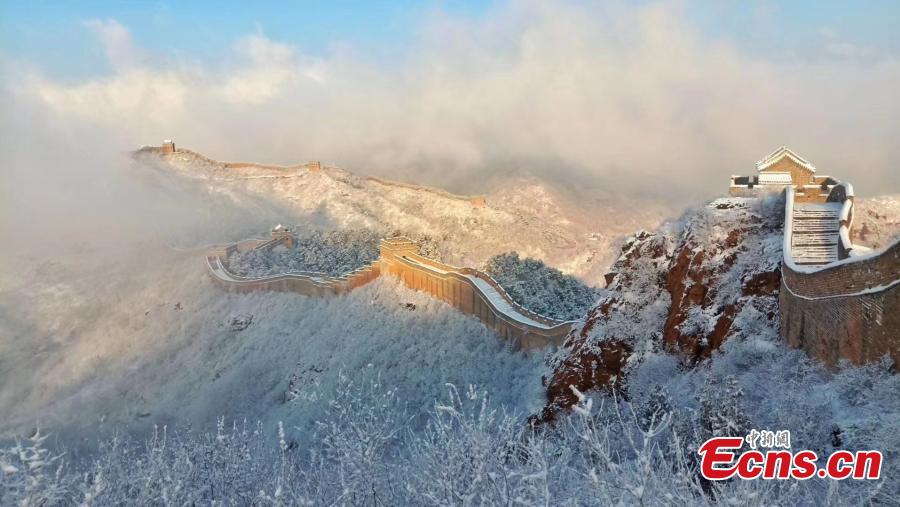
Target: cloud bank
{"points": [[634, 98]]}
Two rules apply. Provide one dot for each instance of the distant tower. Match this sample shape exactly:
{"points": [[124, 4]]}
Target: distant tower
{"points": [[314, 166], [285, 234], [478, 201], [168, 146]]}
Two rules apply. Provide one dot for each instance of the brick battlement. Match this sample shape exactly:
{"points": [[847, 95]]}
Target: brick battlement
{"points": [[468, 290], [847, 278], [848, 309]]}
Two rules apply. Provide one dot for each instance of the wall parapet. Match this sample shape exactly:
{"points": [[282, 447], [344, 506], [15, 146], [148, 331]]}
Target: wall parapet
{"points": [[475, 200], [843, 193], [473, 292], [853, 276], [845, 309], [469, 290]]}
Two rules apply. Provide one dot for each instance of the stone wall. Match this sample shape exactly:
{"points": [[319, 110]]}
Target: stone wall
{"points": [[399, 258], [849, 310], [475, 200], [799, 174]]}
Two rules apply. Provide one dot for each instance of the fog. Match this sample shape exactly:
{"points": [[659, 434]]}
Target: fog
{"points": [[625, 100], [632, 98]]}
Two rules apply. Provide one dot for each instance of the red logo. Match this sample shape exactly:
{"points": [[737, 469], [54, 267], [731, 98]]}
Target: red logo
{"points": [[720, 460]]}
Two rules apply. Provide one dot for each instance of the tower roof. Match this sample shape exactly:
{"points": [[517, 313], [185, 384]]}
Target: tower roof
{"points": [[779, 154]]}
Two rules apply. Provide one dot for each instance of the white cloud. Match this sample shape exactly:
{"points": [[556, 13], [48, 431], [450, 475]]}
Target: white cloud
{"points": [[267, 69], [837, 47], [842, 49], [627, 96], [116, 40]]}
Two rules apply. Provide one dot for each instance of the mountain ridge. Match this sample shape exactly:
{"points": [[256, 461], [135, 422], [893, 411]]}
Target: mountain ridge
{"points": [[575, 234]]}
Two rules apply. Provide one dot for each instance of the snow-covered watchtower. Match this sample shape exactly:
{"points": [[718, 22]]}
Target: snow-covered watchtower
{"points": [[779, 169], [285, 234], [168, 146]]}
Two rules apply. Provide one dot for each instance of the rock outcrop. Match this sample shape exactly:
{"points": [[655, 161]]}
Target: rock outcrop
{"points": [[685, 289]]}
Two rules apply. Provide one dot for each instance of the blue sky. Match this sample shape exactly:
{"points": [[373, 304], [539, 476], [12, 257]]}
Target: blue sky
{"points": [[52, 34], [439, 92]]}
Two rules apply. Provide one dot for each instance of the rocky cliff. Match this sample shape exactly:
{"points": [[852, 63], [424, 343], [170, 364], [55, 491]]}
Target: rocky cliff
{"points": [[684, 289]]}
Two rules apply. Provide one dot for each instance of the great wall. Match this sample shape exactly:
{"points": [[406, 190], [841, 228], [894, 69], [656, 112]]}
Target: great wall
{"points": [[837, 300], [471, 291]]}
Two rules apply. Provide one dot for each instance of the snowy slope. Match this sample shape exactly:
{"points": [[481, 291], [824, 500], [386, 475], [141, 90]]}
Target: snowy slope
{"points": [[690, 324], [106, 347], [160, 345], [558, 226], [876, 221]]}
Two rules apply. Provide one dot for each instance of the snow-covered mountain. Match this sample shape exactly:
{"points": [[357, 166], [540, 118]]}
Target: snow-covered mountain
{"points": [[571, 230], [685, 289], [123, 328], [343, 386], [689, 324], [122, 331], [876, 221]]}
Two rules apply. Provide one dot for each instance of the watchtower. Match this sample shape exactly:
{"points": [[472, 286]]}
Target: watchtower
{"points": [[285, 234], [168, 146], [397, 247]]}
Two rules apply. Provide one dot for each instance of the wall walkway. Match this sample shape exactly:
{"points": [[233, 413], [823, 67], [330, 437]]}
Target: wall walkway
{"points": [[468, 290], [845, 309]]}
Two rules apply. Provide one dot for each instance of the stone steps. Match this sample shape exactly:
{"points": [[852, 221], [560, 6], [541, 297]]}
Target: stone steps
{"points": [[815, 234]]}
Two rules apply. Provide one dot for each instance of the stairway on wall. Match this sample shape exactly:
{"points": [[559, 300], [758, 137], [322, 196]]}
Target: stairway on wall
{"points": [[815, 233]]}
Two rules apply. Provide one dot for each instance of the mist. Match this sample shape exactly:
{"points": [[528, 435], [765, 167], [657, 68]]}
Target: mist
{"points": [[627, 97], [106, 312]]}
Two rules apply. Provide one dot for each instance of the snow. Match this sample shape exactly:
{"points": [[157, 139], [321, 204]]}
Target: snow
{"points": [[826, 209], [754, 380], [221, 272], [501, 304], [540, 288], [780, 153], [330, 253], [118, 345], [494, 298], [351, 391], [564, 230], [871, 290], [775, 179]]}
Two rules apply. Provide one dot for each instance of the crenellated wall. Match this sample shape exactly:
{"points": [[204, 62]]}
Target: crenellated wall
{"points": [[848, 309], [472, 292], [468, 290], [475, 200]]}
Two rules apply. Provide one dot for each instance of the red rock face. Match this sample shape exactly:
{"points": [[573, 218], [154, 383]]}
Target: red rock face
{"points": [[680, 290]]}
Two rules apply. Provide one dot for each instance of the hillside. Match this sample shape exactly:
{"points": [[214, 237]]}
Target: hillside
{"points": [[574, 233], [352, 397], [689, 324], [691, 286], [92, 346], [685, 289], [876, 222], [123, 333]]}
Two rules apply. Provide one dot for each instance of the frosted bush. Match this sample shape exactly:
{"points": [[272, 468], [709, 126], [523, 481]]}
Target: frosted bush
{"points": [[471, 452], [333, 252], [540, 288]]}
